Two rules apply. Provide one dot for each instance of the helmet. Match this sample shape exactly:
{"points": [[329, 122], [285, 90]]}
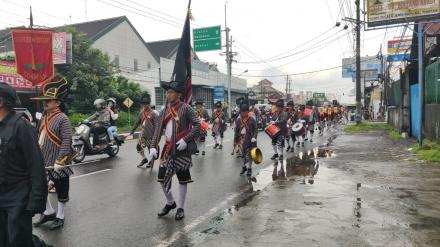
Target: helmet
{"points": [[99, 104], [111, 100], [9, 95], [146, 99]]}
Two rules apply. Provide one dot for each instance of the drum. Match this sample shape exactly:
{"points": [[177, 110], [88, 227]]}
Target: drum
{"points": [[204, 126], [308, 112], [272, 131], [298, 129]]}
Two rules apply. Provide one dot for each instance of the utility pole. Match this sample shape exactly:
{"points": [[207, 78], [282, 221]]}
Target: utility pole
{"points": [[229, 57], [287, 87], [358, 62], [420, 51]]}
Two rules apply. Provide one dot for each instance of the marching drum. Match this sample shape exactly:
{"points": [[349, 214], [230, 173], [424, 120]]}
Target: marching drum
{"points": [[272, 131], [298, 129], [308, 112], [204, 126]]}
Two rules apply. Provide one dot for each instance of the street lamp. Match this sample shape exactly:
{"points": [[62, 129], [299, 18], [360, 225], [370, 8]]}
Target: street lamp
{"points": [[242, 73]]}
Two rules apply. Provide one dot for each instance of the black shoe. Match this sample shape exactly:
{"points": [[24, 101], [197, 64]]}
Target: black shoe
{"points": [[143, 162], [44, 218], [249, 172], [311, 140], [216, 145], [288, 149], [179, 214], [281, 157], [302, 144], [243, 170], [150, 164], [203, 153], [57, 223], [292, 150], [220, 147], [298, 144], [197, 152], [167, 209], [274, 157]]}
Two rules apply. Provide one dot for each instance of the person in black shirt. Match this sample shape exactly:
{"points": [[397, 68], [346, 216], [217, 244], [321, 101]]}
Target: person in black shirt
{"points": [[23, 185]]}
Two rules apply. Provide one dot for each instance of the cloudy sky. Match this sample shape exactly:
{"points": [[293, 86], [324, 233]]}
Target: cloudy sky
{"points": [[272, 38]]}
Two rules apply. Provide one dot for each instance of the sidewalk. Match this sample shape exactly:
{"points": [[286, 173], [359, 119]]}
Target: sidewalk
{"points": [[369, 193]]}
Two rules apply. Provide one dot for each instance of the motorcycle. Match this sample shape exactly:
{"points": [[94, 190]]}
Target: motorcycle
{"points": [[85, 143]]}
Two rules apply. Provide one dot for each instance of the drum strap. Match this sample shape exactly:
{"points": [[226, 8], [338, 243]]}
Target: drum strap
{"points": [[145, 117]]}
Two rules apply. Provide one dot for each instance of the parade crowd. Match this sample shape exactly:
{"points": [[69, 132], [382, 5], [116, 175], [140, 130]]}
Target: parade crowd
{"points": [[33, 160]]}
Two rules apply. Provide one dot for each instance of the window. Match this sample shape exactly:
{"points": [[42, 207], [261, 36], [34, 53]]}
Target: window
{"points": [[135, 68], [159, 94], [116, 62]]}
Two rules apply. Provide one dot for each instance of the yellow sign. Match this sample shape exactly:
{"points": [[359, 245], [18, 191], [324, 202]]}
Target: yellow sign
{"points": [[128, 102], [385, 12]]}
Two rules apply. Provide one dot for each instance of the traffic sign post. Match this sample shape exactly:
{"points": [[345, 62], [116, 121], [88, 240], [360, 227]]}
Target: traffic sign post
{"points": [[207, 38], [128, 103]]}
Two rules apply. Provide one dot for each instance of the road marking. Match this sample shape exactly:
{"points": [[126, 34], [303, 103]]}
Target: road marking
{"points": [[198, 221], [91, 173]]}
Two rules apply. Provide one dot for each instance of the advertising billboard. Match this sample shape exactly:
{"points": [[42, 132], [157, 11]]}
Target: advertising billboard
{"points": [[8, 74], [367, 64], [219, 93], [386, 12]]}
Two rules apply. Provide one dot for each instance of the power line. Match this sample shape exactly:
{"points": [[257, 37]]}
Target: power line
{"points": [[274, 58], [163, 21], [36, 10]]}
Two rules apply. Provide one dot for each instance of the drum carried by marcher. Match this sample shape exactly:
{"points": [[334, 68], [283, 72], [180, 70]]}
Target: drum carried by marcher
{"points": [[204, 126], [298, 129], [272, 131]]}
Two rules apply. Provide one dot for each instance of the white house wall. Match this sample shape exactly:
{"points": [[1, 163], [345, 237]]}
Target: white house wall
{"points": [[123, 41]]}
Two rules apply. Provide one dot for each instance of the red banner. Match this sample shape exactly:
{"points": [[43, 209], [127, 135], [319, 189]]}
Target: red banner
{"points": [[33, 54]]}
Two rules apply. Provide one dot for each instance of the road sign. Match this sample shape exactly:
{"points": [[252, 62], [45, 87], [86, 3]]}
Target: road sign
{"points": [[252, 95], [128, 102], [207, 38], [319, 95]]}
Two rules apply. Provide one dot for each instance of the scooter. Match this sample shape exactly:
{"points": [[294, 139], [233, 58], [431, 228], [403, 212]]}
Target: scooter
{"points": [[85, 143]]}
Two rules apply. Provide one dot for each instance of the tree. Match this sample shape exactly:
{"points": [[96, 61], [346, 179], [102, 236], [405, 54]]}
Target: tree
{"points": [[92, 76]]}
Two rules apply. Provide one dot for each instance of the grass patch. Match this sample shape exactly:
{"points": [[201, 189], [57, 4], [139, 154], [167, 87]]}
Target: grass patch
{"points": [[394, 135], [363, 127], [430, 151]]}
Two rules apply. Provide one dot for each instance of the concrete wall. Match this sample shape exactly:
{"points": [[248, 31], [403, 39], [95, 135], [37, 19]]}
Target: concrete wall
{"points": [[394, 117], [432, 122]]}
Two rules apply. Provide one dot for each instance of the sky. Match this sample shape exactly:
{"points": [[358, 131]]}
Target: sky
{"points": [[272, 38]]}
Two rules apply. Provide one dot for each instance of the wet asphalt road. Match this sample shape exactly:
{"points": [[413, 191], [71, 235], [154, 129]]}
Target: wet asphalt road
{"points": [[114, 203]]}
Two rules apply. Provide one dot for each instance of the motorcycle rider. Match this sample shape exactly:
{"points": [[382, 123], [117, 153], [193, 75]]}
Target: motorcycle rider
{"points": [[101, 118], [114, 114]]}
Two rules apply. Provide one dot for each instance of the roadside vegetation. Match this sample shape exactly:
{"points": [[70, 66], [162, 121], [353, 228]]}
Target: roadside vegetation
{"points": [[363, 127], [429, 151]]}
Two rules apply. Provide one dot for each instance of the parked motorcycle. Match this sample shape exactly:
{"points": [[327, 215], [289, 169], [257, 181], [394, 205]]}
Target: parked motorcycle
{"points": [[85, 143]]}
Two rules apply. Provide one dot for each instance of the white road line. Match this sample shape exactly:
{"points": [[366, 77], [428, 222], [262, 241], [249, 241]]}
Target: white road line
{"points": [[92, 173], [198, 221]]}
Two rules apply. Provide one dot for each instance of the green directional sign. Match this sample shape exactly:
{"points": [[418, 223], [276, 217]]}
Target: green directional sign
{"points": [[207, 38], [207, 45], [319, 95]]}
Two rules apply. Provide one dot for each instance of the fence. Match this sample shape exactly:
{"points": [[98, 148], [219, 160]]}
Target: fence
{"points": [[395, 94], [432, 85]]}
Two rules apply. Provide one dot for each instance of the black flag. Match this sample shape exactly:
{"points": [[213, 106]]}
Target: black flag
{"points": [[182, 65]]}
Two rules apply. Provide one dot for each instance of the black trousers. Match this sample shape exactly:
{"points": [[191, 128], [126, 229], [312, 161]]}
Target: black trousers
{"points": [[15, 220]]}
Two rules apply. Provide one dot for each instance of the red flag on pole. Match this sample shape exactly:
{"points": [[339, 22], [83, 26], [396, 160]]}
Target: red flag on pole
{"points": [[33, 54], [182, 65]]}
